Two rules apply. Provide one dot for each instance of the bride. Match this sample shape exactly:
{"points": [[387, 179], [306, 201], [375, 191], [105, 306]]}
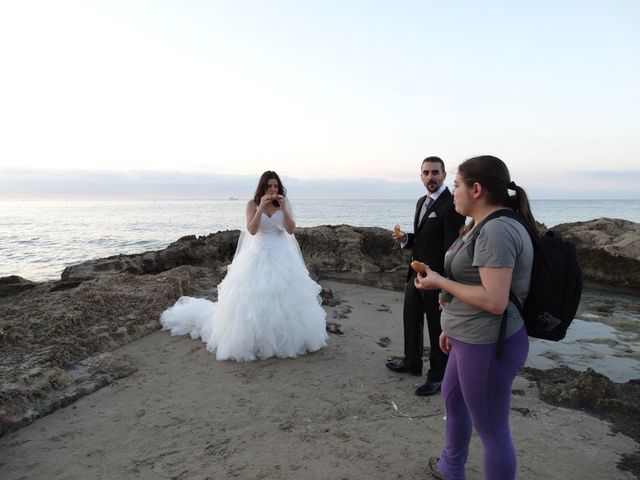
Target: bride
{"points": [[267, 306]]}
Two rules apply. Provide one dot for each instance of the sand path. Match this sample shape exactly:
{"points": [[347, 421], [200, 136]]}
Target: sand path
{"points": [[184, 415]]}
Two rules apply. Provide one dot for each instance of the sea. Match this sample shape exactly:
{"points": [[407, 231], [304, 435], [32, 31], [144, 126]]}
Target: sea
{"points": [[38, 239]]}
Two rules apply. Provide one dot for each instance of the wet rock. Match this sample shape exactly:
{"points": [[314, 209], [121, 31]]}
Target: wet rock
{"points": [[587, 390]]}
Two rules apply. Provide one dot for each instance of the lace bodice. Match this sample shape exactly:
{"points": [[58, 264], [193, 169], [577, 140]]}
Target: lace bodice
{"points": [[272, 225], [271, 234]]}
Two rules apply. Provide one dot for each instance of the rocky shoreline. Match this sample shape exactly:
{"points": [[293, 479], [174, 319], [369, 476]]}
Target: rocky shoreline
{"points": [[56, 336]]}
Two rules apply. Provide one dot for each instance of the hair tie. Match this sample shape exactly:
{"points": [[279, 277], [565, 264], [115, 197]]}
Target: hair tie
{"points": [[511, 186]]}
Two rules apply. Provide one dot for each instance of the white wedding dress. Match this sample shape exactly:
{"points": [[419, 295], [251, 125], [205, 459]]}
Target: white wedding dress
{"points": [[267, 306]]}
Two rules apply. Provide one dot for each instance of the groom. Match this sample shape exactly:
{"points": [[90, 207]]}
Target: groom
{"points": [[436, 226]]}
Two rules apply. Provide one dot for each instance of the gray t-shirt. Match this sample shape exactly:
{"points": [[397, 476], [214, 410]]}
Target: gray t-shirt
{"points": [[502, 242]]}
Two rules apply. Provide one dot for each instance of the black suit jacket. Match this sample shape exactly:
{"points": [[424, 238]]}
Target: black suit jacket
{"points": [[436, 232]]}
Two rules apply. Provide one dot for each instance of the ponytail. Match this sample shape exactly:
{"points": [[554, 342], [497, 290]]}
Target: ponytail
{"points": [[520, 203]]}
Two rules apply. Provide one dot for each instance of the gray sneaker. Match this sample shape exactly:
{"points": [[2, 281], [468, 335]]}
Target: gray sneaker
{"points": [[433, 468]]}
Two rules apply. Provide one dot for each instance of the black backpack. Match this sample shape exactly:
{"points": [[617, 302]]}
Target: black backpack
{"points": [[556, 284]]}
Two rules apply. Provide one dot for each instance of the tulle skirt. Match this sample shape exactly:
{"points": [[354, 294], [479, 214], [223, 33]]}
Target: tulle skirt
{"points": [[267, 306]]}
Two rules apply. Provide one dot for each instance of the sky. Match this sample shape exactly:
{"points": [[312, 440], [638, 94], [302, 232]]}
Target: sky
{"points": [[195, 99]]}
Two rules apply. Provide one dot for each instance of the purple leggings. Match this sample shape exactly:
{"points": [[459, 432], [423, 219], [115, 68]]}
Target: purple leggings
{"points": [[477, 391]]}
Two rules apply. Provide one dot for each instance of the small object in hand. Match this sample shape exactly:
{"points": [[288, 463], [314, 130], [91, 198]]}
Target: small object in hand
{"points": [[274, 200], [418, 266], [397, 230]]}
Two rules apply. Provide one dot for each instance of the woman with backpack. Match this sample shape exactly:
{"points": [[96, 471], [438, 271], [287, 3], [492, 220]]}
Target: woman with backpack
{"points": [[486, 262]]}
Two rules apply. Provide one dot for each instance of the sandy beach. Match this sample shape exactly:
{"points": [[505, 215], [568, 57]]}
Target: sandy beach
{"points": [[337, 413]]}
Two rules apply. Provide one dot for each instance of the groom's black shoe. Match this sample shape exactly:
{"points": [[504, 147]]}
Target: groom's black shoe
{"points": [[428, 389], [403, 366]]}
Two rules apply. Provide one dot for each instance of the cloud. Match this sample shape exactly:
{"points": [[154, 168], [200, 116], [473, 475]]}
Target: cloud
{"points": [[590, 184], [139, 185], [627, 175], [175, 185]]}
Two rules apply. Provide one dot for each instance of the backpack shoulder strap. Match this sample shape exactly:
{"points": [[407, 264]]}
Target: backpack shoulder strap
{"points": [[503, 212]]}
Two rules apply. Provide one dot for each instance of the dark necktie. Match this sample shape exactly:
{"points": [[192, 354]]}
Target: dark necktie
{"points": [[425, 206]]}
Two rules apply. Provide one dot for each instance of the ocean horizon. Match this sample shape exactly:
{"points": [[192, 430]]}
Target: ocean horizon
{"points": [[39, 238]]}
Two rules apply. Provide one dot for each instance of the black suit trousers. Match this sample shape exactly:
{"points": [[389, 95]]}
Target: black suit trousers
{"points": [[417, 303]]}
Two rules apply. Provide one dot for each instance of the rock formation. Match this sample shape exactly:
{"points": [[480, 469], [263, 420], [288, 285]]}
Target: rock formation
{"points": [[352, 254], [14, 284], [608, 250], [52, 339], [592, 392]]}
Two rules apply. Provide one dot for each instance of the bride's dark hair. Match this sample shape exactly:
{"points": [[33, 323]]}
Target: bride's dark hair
{"points": [[263, 184]]}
